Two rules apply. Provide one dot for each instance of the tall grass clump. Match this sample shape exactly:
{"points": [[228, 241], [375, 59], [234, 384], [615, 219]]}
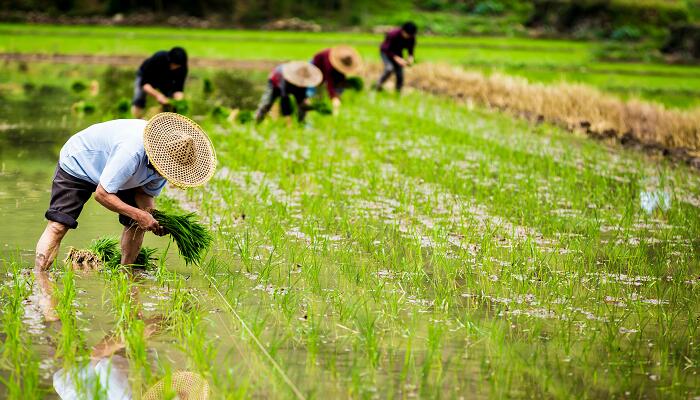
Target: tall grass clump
{"points": [[192, 238]]}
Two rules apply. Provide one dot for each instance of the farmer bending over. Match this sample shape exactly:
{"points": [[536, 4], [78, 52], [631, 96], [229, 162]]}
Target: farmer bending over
{"points": [[125, 163], [285, 81], [335, 64], [162, 76], [391, 50]]}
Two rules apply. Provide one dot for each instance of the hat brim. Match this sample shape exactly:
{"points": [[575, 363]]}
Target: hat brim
{"points": [[184, 383], [338, 53], [291, 72], [156, 136]]}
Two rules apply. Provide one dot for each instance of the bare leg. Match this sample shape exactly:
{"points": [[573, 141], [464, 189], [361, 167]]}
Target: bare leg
{"points": [[132, 239], [46, 250], [137, 112]]}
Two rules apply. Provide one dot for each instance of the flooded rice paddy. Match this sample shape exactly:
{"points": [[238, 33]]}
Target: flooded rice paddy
{"points": [[409, 248]]}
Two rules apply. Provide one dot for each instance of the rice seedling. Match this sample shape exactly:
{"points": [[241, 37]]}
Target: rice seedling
{"points": [[414, 246], [18, 357], [192, 238]]}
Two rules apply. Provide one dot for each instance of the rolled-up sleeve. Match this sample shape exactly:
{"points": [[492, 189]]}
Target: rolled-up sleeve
{"points": [[119, 168], [154, 187]]}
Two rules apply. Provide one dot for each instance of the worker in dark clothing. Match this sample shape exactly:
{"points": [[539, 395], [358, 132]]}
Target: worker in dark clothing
{"points": [[336, 63], [396, 41], [291, 79], [162, 76]]}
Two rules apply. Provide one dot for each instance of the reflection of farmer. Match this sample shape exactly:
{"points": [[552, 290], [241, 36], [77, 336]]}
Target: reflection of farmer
{"points": [[396, 41], [335, 64], [161, 76], [106, 374], [285, 81], [125, 163]]}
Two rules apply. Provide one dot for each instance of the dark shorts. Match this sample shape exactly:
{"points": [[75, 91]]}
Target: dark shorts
{"points": [[139, 99], [69, 194]]}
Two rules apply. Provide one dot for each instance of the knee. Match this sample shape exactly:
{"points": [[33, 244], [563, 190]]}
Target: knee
{"points": [[56, 228]]}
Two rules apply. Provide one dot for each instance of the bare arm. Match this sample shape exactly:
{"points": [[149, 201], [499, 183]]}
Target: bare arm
{"points": [[160, 97], [113, 203]]}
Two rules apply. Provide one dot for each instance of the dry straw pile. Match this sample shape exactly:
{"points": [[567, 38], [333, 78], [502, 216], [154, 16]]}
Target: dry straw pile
{"points": [[576, 107]]}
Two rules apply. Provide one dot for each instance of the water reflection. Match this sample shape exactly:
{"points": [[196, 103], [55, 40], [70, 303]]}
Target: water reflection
{"points": [[109, 373]]}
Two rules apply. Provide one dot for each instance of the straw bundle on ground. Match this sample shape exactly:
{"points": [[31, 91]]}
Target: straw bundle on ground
{"points": [[573, 106]]}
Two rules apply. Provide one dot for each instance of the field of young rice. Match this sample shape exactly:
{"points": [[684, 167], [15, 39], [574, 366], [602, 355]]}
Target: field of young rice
{"points": [[411, 247]]}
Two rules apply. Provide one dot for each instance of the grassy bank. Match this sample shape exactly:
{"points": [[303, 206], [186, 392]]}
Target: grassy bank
{"points": [[537, 60]]}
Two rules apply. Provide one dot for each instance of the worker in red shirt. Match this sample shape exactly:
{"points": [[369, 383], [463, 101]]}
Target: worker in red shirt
{"points": [[396, 41], [336, 64], [289, 80]]}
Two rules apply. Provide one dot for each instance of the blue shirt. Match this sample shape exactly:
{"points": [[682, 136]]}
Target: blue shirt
{"points": [[111, 154]]}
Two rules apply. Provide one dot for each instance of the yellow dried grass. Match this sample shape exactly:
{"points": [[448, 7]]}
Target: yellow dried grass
{"points": [[573, 106]]}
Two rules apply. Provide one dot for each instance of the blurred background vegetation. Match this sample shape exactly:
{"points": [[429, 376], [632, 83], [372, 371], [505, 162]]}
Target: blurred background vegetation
{"points": [[672, 25]]}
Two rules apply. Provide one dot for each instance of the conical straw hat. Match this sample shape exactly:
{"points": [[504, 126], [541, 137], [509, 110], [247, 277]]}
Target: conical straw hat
{"points": [[302, 74], [179, 150], [345, 59], [187, 385]]}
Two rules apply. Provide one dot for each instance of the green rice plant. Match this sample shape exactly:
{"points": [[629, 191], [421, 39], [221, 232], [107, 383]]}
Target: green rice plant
{"points": [[192, 238], [122, 106], [244, 116], [71, 342], [355, 83], [178, 106], [147, 258], [321, 106], [16, 354]]}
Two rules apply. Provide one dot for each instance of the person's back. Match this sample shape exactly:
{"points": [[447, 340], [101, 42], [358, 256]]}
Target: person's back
{"points": [[395, 43], [95, 153], [156, 71], [162, 76]]}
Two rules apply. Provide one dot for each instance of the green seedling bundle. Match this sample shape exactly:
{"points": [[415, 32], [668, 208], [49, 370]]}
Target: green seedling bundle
{"points": [[192, 238]]}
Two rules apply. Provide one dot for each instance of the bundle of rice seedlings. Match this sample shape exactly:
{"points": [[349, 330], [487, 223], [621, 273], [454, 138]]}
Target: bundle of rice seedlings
{"points": [[355, 83], [147, 258], [192, 238], [104, 253], [322, 106], [107, 249]]}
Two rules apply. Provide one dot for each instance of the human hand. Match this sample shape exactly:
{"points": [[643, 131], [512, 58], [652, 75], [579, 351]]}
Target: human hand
{"points": [[411, 60], [400, 61], [336, 105], [162, 99], [146, 222]]}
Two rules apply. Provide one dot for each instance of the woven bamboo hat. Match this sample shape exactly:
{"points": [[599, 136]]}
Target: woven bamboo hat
{"points": [[345, 59], [187, 385], [302, 74], [179, 150]]}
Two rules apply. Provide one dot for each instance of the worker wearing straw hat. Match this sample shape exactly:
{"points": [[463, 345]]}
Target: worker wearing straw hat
{"points": [[396, 41], [336, 64], [126, 164], [288, 80]]}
